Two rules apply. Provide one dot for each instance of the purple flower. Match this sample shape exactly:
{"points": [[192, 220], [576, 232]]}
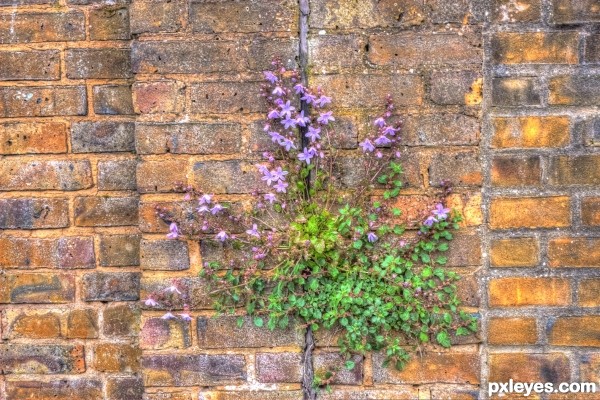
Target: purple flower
{"points": [[441, 212], [430, 221], [172, 289], [301, 120], [279, 174], [380, 122], [367, 146], [205, 199], [270, 197], [280, 186], [371, 237], [216, 209], [309, 98], [287, 108], [288, 122], [273, 114], [323, 100], [275, 136], [278, 91], [202, 209], [222, 236], [306, 155], [168, 315], [378, 154], [313, 134], [287, 143], [173, 231], [253, 231], [299, 89], [186, 317], [150, 302], [389, 131], [269, 76], [267, 177], [382, 141], [324, 118]]}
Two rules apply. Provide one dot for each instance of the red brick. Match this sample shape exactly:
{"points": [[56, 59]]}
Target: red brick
{"points": [[67, 389], [28, 101], [110, 63], [42, 27], [575, 331], [530, 212], [519, 292], [535, 47], [34, 213], [574, 252], [412, 49], [516, 171], [44, 288], [530, 132], [41, 359], [41, 65], [549, 367], [512, 331], [515, 252], [106, 211], [36, 138], [158, 97]]}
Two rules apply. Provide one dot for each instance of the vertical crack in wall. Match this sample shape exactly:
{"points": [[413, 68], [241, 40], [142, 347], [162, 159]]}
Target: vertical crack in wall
{"points": [[309, 392]]}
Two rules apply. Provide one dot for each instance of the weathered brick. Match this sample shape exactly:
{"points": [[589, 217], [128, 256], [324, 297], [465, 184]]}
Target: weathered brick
{"points": [[530, 212], [194, 370], [98, 63], [111, 286], [444, 11], [535, 47], [111, 357], [430, 368], [110, 22], [41, 359], [518, 292], [460, 169], [590, 367], [191, 138], [462, 87], [43, 288], [573, 12], [574, 170], [164, 96], [223, 332], [350, 171], [227, 97], [160, 395], [22, 174], [158, 333], [413, 49], [82, 324], [117, 174], [507, 11], [30, 65], [100, 137], [515, 252], [119, 250], [160, 176], [15, 3], [34, 213], [397, 393], [244, 17], [370, 90], [223, 253], [515, 92], [106, 211], [80, 389], [48, 101], [261, 52], [33, 325], [226, 177], [42, 27], [65, 252], [592, 49], [516, 171], [451, 392], [468, 204], [574, 252], [440, 129], [194, 293], [531, 132], [126, 388], [336, 14], [587, 292], [574, 331], [324, 53], [121, 320], [279, 367], [590, 211], [512, 331], [35, 138], [112, 100], [167, 255], [324, 362], [574, 90], [148, 16], [532, 367]]}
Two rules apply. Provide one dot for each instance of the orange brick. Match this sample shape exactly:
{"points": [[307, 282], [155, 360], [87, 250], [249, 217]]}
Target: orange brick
{"points": [[587, 292], [512, 331], [468, 205], [535, 48], [34, 325], [590, 211], [82, 324], [578, 170], [574, 252], [516, 171], [519, 292], [530, 212], [158, 97], [23, 138], [590, 367], [575, 331], [510, 11], [517, 252], [111, 357], [551, 367], [530, 132]]}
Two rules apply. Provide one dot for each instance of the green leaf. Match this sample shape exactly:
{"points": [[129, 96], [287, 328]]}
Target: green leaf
{"points": [[258, 321], [423, 337], [240, 322], [349, 365], [358, 244], [443, 339]]}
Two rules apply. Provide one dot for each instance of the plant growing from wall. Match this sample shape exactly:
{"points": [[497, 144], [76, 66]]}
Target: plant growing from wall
{"points": [[325, 255]]}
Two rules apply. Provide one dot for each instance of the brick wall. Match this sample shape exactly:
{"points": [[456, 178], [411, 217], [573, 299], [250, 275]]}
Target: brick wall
{"points": [[104, 107]]}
